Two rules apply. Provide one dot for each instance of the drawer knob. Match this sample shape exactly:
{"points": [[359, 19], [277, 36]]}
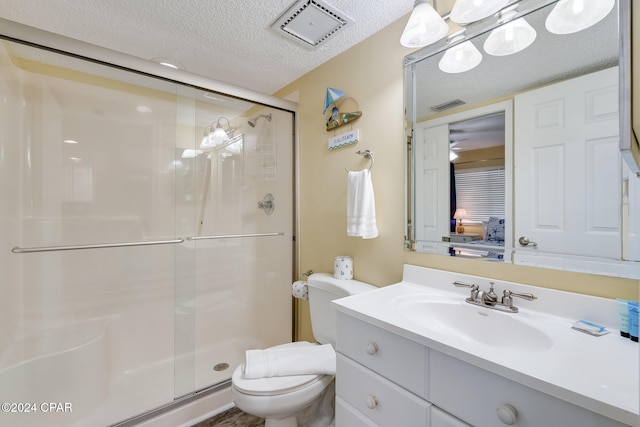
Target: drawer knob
{"points": [[371, 402], [507, 414], [372, 348]]}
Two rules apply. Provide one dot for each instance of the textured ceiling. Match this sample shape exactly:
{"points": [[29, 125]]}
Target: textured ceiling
{"points": [[227, 40]]}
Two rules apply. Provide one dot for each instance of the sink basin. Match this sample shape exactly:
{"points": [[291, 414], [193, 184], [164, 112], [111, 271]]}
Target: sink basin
{"points": [[473, 323]]}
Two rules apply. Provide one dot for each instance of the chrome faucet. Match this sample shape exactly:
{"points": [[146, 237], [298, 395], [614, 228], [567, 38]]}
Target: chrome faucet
{"points": [[490, 299]]}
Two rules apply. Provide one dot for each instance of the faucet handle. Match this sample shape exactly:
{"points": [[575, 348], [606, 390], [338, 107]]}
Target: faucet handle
{"points": [[508, 300], [460, 284], [528, 297], [473, 286]]}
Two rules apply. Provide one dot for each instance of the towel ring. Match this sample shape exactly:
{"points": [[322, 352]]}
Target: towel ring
{"points": [[367, 155]]}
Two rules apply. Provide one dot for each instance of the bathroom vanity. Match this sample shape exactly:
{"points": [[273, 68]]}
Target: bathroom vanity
{"points": [[416, 354]]}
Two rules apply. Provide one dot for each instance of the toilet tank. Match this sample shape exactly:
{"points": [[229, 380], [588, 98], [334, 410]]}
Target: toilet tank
{"points": [[324, 288]]}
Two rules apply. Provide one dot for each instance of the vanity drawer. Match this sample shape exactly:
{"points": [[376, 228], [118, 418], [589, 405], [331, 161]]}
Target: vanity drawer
{"points": [[347, 416], [396, 358], [475, 395], [380, 400], [440, 418]]}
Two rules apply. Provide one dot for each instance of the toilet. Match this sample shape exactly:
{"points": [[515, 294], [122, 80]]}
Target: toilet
{"points": [[299, 400]]}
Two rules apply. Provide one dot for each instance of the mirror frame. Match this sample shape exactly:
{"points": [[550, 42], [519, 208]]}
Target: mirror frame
{"points": [[629, 146]]}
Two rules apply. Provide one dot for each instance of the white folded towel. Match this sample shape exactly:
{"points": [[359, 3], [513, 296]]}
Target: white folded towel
{"points": [[361, 205], [297, 360]]}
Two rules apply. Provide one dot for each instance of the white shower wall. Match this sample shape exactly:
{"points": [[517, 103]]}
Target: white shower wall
{"points": [[117, 331]]}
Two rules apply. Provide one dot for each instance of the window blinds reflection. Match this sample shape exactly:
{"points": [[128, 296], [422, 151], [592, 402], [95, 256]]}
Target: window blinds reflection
{"points": [[481, 193]]}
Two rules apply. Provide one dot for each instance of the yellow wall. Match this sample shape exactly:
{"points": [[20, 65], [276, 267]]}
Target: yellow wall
{"points": [[372, 73], [482, 158]]}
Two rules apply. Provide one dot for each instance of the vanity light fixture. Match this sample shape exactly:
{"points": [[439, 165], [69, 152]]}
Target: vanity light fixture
{"points": [[205, 138], [468, 11], [571, 16], [191, 153], [511, 37], [216, 134], [219, 135], [461, 57], [425, 26], [234, 147]]}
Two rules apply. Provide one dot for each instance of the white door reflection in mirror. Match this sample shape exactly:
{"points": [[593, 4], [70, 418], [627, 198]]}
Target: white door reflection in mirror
{"points": [[432, 184], [568, 180]]}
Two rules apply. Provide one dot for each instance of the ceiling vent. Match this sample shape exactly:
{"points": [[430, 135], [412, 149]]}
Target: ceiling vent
{"points": [[447, 105], [311, 22]]}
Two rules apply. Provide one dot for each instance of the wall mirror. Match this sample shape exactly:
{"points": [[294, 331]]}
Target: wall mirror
{"points": [[514, 156]]}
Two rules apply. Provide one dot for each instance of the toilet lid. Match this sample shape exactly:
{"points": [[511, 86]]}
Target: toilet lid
{"points": [[273, 385]]}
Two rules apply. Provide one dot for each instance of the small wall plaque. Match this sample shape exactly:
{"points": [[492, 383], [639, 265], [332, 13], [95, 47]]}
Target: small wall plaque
{"points": [[344, 139]]}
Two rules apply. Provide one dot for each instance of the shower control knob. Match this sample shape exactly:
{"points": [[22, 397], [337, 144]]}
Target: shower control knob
{"points": [[268, 204], [372, 348], [371, 402]]}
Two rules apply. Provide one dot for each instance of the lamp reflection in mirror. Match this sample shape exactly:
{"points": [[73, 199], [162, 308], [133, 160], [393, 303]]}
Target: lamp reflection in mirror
{"points": [[468, 11], [460, 58], [511, 37], [460, 214], [425, 26], [571, 16]]}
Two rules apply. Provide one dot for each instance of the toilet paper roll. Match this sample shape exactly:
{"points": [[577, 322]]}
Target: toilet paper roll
{"points": [[343, 267], [300, 290]]}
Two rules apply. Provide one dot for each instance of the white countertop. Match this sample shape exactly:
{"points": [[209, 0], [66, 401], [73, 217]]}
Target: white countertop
{"points": [[597, 373]]}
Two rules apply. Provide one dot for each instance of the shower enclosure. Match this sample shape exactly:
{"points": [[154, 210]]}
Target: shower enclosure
{"points": [[136, 264]]}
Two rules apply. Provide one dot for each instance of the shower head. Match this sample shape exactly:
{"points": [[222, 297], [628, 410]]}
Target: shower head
{"points": [[254, 121]]}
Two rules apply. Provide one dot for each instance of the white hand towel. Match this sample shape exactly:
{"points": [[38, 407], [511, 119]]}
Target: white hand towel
{"points": [[280, 362], [361, 205]]}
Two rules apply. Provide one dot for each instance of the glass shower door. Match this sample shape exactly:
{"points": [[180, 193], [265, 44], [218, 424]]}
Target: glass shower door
{"points": [[244, 253], [88, 240], [136, 266]]}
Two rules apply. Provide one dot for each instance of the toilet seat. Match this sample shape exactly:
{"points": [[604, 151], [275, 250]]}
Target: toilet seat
{"points": [[274, 385]]}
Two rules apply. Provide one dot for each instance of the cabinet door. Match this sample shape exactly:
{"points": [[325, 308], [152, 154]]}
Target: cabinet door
{"points": [[440, 418], [568, 174]]}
